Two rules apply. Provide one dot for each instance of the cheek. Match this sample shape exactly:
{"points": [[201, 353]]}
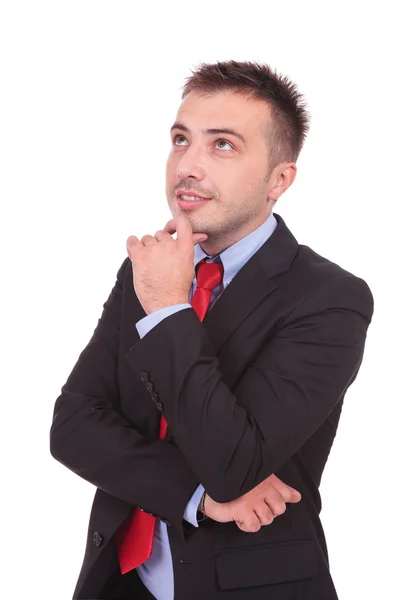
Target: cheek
{"points": [[168, 164], [170, 172], [248, 178]]}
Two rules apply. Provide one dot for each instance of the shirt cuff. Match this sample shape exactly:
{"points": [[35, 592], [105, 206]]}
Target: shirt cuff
{"points": [[149, 321], [192, 506]]}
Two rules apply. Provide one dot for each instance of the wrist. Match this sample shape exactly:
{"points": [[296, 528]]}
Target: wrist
{"points": [[202, 508], [202, 503], [164, 304]]}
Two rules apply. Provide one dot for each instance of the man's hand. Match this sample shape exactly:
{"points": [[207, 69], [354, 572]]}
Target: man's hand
{"points": [[163, 268], [256, 508]]}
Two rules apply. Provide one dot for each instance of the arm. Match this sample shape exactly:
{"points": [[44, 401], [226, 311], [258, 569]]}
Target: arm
{"points": [[143, 327], [230, 438], [93, 438]]}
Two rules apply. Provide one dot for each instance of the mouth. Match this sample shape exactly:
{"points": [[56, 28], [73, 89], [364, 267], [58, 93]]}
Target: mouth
{"points": [[188, 202]]}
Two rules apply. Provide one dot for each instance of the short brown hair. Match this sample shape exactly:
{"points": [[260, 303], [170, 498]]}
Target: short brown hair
{"points": [[288, 108]]}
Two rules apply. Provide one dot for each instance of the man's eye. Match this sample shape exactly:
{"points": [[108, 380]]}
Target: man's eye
{"points": [[225, 142], [179, 137]]}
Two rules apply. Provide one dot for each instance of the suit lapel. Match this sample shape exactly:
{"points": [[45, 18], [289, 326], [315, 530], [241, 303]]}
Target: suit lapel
{"points": [[252, 284]]}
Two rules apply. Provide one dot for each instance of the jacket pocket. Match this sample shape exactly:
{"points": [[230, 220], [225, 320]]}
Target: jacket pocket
{"points": [[266, 564]]}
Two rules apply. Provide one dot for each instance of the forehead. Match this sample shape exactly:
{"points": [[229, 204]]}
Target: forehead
{"points": [[224, 109]]}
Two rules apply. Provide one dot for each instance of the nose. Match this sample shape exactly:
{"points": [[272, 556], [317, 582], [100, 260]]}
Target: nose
{"points": [[190, 165]]}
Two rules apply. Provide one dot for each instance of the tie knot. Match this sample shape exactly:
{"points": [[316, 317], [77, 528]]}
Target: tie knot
{"points": [[209, 275]]}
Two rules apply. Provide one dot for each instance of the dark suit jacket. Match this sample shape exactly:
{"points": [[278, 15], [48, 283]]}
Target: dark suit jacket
{"points": [[255, 389]]}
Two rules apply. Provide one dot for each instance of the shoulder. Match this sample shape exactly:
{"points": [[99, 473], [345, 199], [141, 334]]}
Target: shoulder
{"points": [[326, 283]]}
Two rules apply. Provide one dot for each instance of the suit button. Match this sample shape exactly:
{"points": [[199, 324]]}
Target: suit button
{"points": [[149, 386], [97, 539], [159, 406], [144, 376]]}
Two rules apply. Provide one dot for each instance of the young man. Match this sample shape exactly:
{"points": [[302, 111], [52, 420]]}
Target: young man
{"points": [[215, 377]]}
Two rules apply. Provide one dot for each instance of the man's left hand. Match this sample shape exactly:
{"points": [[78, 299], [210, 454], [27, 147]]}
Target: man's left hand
{"points": [[163, 268]]}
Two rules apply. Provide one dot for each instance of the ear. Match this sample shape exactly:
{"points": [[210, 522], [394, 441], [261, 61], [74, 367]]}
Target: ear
{"points": [[283, 179]]}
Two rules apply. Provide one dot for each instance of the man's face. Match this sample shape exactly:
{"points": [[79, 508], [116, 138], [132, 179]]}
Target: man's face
{"points": [[230, 171]]}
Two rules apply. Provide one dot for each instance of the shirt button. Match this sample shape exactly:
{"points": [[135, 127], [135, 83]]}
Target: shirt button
{"points": [[144, 376]]}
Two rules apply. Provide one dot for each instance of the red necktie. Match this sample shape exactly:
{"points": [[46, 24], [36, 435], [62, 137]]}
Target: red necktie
{"points": [[135, 537]]}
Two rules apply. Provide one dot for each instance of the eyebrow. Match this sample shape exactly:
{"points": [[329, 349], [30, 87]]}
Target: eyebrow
{"points": [[212, 131]]}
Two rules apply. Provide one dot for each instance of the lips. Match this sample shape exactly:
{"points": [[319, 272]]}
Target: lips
{"points": [[190, 204]]}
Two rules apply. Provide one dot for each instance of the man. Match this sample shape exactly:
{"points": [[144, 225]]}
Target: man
{"points": [[215, 378]]}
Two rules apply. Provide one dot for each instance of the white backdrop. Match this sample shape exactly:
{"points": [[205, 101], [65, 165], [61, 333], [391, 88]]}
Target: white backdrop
{"points": [[89, 90]]}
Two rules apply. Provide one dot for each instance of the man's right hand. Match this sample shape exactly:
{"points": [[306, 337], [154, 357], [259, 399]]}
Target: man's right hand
{"points": [[256, 508]]}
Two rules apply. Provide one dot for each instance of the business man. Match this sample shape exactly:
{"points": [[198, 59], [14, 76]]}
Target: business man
{"points": [[214, 380]]}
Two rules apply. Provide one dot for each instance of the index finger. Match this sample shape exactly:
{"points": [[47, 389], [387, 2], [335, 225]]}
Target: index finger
{"points": [[182, 227]]}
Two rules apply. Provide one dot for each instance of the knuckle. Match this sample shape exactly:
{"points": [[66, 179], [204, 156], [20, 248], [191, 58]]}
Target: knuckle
{"points": [[279, 509], [251, 526], [268, 519]]}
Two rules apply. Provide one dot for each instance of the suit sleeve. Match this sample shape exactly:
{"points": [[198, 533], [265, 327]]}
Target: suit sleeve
{"points": [[147, 323], [143, 327], [92, 437], [234, 439]]}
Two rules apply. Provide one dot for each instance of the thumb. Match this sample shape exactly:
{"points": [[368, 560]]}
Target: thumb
{"points": [[198, 237]]}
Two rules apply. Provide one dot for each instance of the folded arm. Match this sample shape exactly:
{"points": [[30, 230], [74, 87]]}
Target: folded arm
{"points": [[93, 438], [233, 440]]}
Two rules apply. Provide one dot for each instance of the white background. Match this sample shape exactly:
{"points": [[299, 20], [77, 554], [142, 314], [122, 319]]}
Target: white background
{"points": [[88, 93]]}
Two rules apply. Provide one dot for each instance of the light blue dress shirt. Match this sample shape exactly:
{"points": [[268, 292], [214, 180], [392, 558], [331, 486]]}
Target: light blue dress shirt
{"points": [[157, 572]]}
